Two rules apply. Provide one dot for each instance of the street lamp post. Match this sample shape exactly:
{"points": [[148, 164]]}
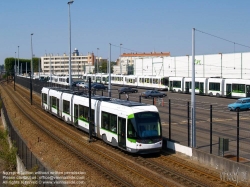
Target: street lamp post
{"points": [[15, 64], [142, 66], [15, 74], [64, 66], [70, 84], [32, 72], [220, 65], [109, 70], [120, 60], [188, 64], [18, 60], [97, 61]]}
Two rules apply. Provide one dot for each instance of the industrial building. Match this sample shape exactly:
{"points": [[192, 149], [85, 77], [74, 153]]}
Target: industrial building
{"points": [[230, 65]]}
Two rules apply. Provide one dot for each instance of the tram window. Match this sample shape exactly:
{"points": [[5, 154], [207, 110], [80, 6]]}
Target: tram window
{"points": [[131, 130], [85, 113], [113, 122], [45, 98], [165, 81], [248, 88], [66, 108], [146, 80], [197, 85], [238, 88], [105, 124], [214, 86], [81, 112], [109, 122], [53, 102], [148, 124], [177, 84]]}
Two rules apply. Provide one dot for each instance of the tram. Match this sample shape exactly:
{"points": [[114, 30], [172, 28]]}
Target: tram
{"points": [[131, 126]]}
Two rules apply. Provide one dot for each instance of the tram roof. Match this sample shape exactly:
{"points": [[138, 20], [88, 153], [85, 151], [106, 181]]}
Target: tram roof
{"points": [[127, 103], [96, 97]]}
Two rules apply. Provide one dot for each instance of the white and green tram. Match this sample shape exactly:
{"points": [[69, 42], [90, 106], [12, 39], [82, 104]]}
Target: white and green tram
{"points": [[131, 126]]}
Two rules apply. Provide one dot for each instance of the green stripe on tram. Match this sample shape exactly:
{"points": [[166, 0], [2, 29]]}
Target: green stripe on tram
{"points": [[131, 140], [131, 116], [82, 119], [238, 91]]}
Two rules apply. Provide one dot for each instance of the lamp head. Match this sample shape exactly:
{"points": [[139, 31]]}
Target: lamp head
{"points": [[70, 2]]}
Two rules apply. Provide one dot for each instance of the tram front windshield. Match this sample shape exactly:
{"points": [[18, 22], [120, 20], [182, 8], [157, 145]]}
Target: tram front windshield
{"points": [[144, 125]]}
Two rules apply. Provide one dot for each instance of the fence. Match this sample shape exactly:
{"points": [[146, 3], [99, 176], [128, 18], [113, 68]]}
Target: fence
{"points": [[214, 134], [30, 161]]}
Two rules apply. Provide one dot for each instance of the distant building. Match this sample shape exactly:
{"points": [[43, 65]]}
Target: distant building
{"points": [[59, 64], [126, 62], [228, 65]]}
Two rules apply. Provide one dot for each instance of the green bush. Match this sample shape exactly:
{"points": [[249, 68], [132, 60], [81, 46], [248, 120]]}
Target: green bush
{"points": [[6, 153]]}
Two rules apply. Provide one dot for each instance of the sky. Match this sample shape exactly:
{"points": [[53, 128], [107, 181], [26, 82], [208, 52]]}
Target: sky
{"points": [[139, 25]]}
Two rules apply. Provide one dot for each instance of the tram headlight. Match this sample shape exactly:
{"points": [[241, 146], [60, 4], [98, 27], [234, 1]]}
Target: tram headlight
{"points": [[149, 141]]}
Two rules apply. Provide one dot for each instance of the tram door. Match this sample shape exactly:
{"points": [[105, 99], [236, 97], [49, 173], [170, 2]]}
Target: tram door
{"points": [[57, 107], [76, 115], [201, 88], [170, 85], [247, 90], [228, 90], [122, 132]]}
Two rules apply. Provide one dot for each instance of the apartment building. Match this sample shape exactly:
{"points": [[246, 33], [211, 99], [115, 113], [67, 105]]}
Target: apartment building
{"points": [[59, 64]]}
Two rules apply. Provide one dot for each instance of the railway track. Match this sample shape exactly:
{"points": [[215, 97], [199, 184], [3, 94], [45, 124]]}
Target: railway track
{"points": [[73, 141], [173, 168], [157, 171], [26, 109]]}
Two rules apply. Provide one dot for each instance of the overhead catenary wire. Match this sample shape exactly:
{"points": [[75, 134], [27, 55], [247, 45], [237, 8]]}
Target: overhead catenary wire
{"points": [[223, 39]]}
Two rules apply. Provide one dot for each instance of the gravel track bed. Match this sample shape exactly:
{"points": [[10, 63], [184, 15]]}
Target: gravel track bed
{"points": [[112, 166], [55, 156], [60, 159]]}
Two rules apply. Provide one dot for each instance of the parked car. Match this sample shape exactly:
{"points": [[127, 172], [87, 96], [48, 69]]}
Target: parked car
{"points": [[127, 90], [153, 93], [75, 83], [241, 104], [99, 87], [82, 84]]}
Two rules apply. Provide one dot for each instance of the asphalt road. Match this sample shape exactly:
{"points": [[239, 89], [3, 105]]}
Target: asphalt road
{"points": [[208, 110]]}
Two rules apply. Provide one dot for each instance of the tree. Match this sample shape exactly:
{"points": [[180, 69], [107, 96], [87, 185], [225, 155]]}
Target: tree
{"points": [[9, 64], [103, 66]]}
